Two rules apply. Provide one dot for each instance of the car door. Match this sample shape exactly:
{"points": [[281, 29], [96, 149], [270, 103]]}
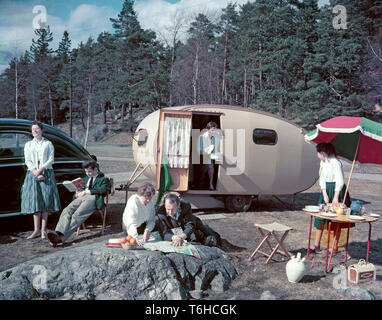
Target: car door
{"points": [[12, 170]]}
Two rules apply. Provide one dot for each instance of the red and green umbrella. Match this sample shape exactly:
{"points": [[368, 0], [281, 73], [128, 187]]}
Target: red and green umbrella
{"points": [[355, 138]]}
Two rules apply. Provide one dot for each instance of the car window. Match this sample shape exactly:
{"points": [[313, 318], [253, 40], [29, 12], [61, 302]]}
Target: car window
{"points": [[63, 150], [12, 144]]}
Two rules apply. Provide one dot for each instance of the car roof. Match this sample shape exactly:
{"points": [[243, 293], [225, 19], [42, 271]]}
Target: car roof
{"points": [[24, 125]]}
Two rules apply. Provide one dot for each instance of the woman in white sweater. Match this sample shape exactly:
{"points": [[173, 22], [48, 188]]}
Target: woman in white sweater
{"points": [[39, 194], [139, 214], [332, 189]]}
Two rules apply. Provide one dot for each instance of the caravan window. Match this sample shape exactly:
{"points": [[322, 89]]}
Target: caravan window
{"points": [[142, 137], [264, 137]]}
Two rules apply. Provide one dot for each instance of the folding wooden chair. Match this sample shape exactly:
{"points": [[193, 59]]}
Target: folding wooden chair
{"points": [[102, 212], [272, 228]]}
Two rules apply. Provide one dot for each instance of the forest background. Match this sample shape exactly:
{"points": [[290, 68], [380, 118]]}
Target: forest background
{"points": [[291, 58]]}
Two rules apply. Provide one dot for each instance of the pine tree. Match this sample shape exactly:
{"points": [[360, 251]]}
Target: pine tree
{"points": [[40, 47], [134, 81], [227, 28], [62, 75], [42, 75]]}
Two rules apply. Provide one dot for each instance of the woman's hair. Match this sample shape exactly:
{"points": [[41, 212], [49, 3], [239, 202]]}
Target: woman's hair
{"points": [[328, 148], [37, 123], [146, 189], [172, 198], [211, 124]]}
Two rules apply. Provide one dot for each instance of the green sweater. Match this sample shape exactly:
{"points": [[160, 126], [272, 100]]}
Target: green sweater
{"points": [[100, 188]]}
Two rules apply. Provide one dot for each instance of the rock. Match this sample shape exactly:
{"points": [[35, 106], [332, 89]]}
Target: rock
{"points": [[267, 295], [196, 294], [358, 293], [97, 272]]}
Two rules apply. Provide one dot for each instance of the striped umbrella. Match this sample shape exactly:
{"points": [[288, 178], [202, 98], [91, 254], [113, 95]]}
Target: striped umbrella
{"points": [[355, 138]]}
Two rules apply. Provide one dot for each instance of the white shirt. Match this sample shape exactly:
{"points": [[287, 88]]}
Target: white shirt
{"points": [[87, 191], [39, 154], [205, 141], [136, 213], [331, 171]]}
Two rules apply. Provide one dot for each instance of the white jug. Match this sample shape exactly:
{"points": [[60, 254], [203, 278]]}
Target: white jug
{"points": [[295, 268]]}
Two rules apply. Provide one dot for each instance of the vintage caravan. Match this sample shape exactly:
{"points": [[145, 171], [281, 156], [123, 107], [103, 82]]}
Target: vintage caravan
{"points": [[262, 154]]}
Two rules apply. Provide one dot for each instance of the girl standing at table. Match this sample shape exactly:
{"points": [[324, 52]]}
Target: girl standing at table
{"points": [[331, 180], [39, 194]]}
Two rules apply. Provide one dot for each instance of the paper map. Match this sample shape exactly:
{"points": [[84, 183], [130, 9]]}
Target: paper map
{"points": [[165, 246], [155, 243]]}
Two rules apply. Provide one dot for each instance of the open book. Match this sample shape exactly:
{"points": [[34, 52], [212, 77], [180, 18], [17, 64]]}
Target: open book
{"points": [[74, 185]]}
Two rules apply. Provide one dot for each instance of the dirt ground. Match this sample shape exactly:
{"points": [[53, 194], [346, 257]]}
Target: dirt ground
{"points": [[254, 277]]}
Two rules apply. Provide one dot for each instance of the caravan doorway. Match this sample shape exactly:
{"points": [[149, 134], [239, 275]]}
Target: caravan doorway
{"points": [[176, 148], [198, 177]]}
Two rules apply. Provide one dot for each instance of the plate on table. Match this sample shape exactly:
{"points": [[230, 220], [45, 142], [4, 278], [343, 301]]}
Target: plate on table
{"points": [[374, 215], [328, 214], [308, 208], [353, 217], [311, 210]]}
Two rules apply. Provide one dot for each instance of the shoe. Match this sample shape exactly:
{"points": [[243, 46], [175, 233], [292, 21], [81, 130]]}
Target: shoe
{"points": [[54, 238], [43, 235], [210, 241], [34, 235]]}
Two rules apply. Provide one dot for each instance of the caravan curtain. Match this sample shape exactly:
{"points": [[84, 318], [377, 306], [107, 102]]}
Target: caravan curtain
{"points": [[176, 142]]}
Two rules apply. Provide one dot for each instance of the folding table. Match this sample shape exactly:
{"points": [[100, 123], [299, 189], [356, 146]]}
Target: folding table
{"points": [[272, 228], [341, 219]]}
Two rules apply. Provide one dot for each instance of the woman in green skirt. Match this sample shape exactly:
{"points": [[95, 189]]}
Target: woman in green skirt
{"points": [[39, 194], [332, 189]]}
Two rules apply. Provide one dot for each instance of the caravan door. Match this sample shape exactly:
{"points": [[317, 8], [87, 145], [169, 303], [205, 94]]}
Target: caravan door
{"points": [[174, 141]]}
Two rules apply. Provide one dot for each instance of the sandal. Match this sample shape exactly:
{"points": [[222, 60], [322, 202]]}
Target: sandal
{"points": [[34, 235]]}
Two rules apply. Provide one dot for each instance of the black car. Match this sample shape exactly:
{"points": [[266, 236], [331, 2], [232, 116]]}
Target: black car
{"points": [[68, 158]]}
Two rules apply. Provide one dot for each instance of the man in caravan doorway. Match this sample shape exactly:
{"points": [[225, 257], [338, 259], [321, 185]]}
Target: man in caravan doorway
{"points": [[210, 142]]}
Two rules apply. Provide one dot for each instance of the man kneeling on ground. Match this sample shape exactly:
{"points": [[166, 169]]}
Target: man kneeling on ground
{"points": [[176, 213], [84, 204]]}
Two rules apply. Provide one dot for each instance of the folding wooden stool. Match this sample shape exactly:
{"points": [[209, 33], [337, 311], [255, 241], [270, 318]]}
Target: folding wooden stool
{"points": [[272, 228]]}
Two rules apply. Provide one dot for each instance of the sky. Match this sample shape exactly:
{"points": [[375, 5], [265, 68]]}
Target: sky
{"points": [[85, 18]]}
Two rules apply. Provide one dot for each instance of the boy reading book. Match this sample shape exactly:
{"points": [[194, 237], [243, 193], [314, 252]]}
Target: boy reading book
{"points": [[84, 204]]}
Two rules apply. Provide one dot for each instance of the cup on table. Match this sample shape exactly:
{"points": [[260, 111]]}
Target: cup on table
{"points": [[347, 212]]}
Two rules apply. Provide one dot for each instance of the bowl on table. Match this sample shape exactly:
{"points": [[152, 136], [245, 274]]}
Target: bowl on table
{"points": [[128, 246]]}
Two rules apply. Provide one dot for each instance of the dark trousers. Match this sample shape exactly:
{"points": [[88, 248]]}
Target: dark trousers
{"points": [[140, 229]]}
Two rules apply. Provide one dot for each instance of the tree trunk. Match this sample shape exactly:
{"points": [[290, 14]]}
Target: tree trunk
{"points": [[130, 111], [17, 91], [245, 88], [195, 77], [34, 103], [70, 101], [260, 70], [123, 112], [210, 81], [87, 124], [224, 86], [172, 68], [89, 112], [82, 120], [51, 106], [104, 112]]}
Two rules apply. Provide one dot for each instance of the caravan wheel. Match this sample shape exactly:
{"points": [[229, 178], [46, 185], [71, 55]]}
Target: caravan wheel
{"points": [[238, 203]]}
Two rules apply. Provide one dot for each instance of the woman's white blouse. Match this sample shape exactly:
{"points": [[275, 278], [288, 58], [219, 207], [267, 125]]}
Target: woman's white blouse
{"points": [[331, 171], [39, 154], [137, 213]]}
